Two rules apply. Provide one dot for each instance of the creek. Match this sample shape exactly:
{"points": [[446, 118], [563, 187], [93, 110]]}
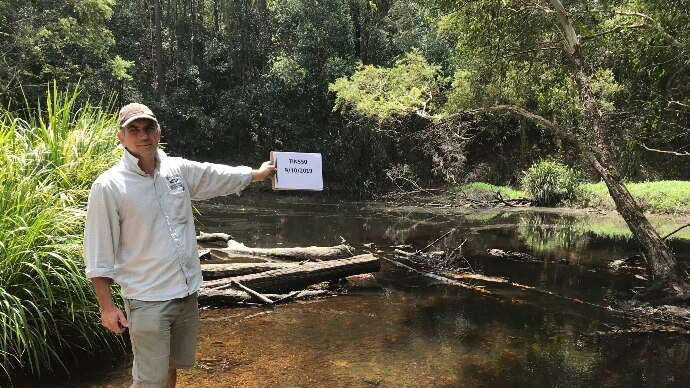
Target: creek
{"points": [[549, 327]]}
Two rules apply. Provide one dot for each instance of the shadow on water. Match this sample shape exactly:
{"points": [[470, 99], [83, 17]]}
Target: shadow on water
{"points": [[402, 329]]}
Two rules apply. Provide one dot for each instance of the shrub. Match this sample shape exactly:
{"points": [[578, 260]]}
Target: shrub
{"points": [[549, 183]]}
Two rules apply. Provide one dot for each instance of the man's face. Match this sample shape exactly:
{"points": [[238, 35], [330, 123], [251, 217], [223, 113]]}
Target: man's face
{"points": [[140, 137]]}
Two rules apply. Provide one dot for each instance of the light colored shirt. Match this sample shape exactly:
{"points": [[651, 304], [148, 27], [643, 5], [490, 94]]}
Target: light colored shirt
{"points": [[140, 229]]}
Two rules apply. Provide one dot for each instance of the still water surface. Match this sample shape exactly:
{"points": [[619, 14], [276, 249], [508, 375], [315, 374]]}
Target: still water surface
{"points": [[405, 329]]}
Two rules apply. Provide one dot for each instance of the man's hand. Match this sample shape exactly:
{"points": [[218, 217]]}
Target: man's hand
{"points": [[264, 172], [111, 317], [114, 319]]}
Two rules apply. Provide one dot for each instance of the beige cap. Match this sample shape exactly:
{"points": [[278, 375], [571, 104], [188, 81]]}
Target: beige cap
{"points": [[134, 111]]}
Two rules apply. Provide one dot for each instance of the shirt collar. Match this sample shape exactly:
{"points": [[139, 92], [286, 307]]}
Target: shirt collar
{"points": [[131, 162]]}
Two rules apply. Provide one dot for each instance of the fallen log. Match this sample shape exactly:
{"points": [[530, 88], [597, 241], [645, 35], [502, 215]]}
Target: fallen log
{"points": [[212, 237], [298, 253], [209, 297], [297, 277], [220, 256], [218, 271], [264, 299], [517, 256]]}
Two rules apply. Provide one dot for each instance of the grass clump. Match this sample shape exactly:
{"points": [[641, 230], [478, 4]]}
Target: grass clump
{"points": [[48, 317], [550, 183]]}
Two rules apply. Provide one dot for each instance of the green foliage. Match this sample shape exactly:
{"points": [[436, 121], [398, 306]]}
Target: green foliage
{"points": [[288, 72], [47, 312], [313, 34], [119, 68], [661, 197], [549, 182], [604, 85], [54, 40], [487, 190], [240, 77], [385, 93]]}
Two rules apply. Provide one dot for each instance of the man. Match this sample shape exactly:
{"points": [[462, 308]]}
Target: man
{"points": [[140, 234]]}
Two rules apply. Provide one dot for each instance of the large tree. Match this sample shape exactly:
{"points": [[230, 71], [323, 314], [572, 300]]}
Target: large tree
{"points": [[527, 57]]}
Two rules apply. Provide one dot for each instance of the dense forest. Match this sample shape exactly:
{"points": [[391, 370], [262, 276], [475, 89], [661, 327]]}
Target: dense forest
{"points": [[383, 88]]}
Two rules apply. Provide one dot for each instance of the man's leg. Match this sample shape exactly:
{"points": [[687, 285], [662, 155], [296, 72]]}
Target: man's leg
{"points": [[172, 378], [149, 333], [183, 334], [163, 336]]}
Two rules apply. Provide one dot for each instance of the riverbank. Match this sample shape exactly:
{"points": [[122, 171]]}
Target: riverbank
{"points": [[658, 198]]}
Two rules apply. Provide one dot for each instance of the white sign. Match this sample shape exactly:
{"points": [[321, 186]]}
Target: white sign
{"points": [[297, 171]]}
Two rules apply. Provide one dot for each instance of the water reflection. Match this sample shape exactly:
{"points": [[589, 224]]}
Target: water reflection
{"points": [[406, 330]]}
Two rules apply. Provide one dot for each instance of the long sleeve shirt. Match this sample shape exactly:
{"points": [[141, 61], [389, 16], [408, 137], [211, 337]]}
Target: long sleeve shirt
{"points": [[140, 228]]}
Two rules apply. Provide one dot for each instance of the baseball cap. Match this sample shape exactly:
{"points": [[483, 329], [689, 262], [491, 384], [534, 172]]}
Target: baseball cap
{"points": [[134, 111]]}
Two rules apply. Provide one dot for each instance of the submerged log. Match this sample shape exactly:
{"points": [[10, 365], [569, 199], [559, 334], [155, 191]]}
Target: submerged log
{"points": [[298, 253], [299, 276], [517, 256], [232, 296]]}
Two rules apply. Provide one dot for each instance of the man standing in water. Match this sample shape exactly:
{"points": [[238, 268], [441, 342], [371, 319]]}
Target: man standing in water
{"points": [[140, 234]]}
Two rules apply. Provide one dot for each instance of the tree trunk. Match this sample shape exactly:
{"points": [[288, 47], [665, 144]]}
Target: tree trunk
{"points": [[160, 75], [661, 263]]}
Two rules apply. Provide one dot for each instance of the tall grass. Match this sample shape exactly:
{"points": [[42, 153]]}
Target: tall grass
{"points": [[661, 197], [48, 317]]}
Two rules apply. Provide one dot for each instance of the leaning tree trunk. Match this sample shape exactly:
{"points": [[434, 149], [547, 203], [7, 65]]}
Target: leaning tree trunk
{"points": [[661, 264]]}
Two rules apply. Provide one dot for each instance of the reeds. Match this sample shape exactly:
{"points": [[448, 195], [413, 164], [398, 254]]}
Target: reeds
{"points": [[48, 315]]}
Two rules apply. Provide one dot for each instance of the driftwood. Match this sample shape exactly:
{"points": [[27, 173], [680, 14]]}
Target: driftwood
{"points": [[211, 237], [242, 274], [517, 256], [219, 255], [233, 296], [218, 271], [262, 298], [297, 277], [299, 253]]}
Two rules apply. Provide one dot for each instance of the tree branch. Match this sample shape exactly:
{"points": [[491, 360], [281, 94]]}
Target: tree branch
{"points": [[686, 153], [533, 117], [653, 23]]}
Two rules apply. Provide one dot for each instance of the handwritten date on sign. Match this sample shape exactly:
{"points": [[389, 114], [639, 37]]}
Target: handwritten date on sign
{"points": [[297, 171]]}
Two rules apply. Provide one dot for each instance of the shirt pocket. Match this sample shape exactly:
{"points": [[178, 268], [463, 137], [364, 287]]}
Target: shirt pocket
{"points": [[181, 206]]}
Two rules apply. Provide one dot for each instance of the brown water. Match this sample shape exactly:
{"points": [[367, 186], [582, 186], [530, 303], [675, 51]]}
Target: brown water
{"points": [[401, 328]]}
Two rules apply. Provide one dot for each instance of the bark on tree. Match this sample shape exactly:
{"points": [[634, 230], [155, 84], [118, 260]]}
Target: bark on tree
{"points": [[160, 74], [661, 264]]}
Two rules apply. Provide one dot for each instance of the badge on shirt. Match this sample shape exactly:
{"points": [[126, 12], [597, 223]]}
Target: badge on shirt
{"points": [[174, 184]]}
